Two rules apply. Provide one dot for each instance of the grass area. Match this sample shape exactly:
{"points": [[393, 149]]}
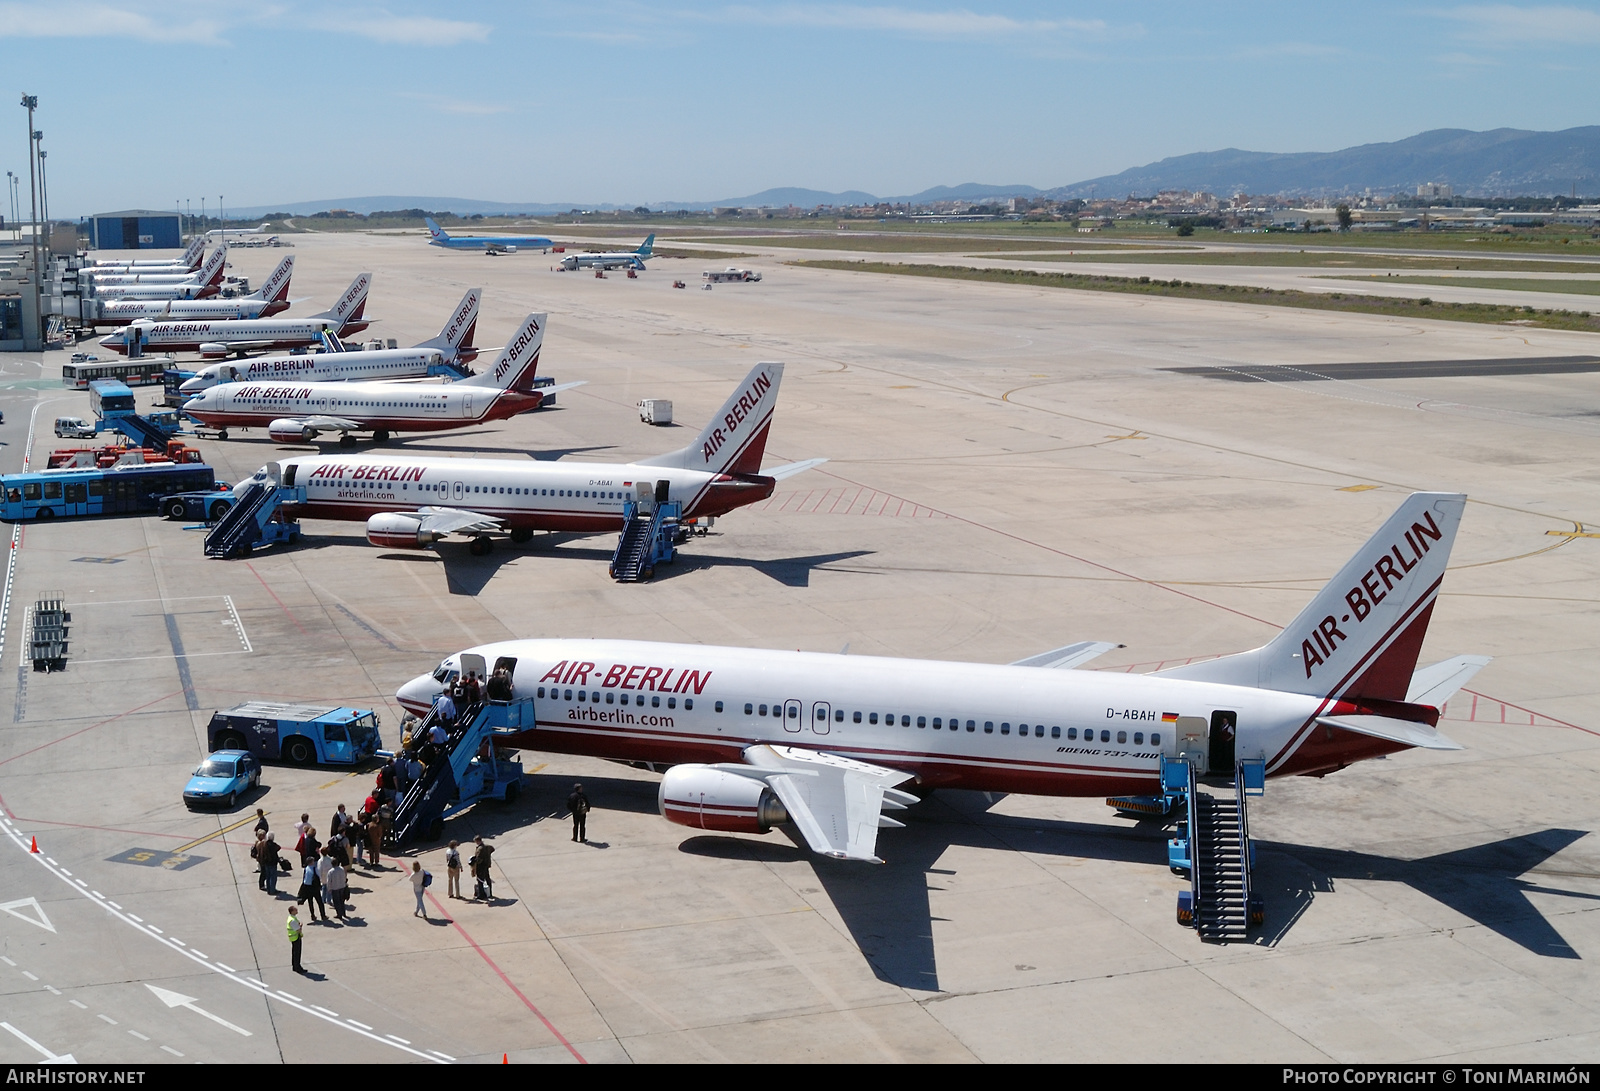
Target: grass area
{"points": [[891, 244], [1508, 284], [1324, 259], [1233, 293], [712, 255]]}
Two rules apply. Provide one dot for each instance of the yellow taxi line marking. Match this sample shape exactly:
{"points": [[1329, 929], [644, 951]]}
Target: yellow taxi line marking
{"points": [[209, 836]]}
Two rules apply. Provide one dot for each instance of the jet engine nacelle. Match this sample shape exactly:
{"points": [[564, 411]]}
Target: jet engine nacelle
{"points": [[287, 430], [709, 799], [214, 350], [398, 530]]}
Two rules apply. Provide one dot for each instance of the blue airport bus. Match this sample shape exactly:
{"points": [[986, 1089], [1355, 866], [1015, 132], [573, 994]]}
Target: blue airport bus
{"points": [[111, 398], [26, 497]]}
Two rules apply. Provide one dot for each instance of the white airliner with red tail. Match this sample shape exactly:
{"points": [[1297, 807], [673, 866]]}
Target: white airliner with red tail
{"points": [[237, 337], [188, 263], [756, 737], [296, 412], [136, 284], [438, 355], [411, 503], [270, 299]]}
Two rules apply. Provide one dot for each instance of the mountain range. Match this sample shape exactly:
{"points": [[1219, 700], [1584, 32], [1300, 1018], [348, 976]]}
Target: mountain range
{"points": [[1500, 162]]}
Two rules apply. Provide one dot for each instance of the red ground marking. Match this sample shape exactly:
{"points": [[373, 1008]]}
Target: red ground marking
{"points": [[276, 599], [502, 975], [91, 727]]}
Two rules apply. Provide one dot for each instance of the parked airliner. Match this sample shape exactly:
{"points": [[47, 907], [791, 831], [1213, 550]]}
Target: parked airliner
{"points": [[294, 412], [411, 503], [443, 355], [201, 284], [188, 263], [756, 737], [239, 337], [494, 244], [270, 299], [614, 259]]}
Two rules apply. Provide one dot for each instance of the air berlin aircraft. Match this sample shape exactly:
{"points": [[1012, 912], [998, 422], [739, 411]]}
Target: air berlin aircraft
{"points": [[411, 503], [756, 738], [270, 299], [240, 336], [136, 284], [297, 412], [188, 263]]}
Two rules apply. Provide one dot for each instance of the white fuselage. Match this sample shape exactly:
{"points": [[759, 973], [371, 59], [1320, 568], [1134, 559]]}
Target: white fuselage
{"points": [[110, 279], [577, 496], [321, 367], [120, 312], [266, 333], [970, 725], [394, 407]]}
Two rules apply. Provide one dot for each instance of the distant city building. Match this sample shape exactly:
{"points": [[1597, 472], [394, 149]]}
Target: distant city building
{"points": [[1435, 189]]}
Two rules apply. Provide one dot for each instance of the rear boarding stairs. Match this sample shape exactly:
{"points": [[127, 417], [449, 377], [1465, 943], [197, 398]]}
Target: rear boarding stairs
{"points": [[256, 518], [1211, 844]]}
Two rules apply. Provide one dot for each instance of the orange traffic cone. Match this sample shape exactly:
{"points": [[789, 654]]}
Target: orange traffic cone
{"points": [[35, 847], [505, 1058]]}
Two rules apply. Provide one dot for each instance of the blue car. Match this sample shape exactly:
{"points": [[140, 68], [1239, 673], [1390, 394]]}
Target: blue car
{"points": [[221, 779]]}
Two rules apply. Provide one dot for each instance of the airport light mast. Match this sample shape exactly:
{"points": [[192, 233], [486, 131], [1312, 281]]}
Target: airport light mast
{"points": [[31, 103]]}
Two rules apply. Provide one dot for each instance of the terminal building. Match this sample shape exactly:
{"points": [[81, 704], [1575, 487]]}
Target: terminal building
{"points": [[135, 230]]}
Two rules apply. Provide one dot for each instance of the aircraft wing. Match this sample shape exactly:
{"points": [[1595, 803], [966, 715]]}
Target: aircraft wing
{"points": [[1383, 727], [778, 473], [1072, 655], [456, 521], [836, 802], [546, 391], [246, 346], [331, 424]]}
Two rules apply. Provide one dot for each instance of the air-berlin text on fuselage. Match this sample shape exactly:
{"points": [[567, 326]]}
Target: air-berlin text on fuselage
{"points": [[257, 393], [571, 672], [376, 472], [1389, 569], [737, 415], [298, 363]]}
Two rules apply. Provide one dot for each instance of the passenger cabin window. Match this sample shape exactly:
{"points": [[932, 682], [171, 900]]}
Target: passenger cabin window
{"points": [[1138, 738], [988, 727], [1055, 732], [972, 725], [718, 706], [1155, 738], [672, 702], [856, 717], [1122, 738], [838, 715], [1072, 733], [1105, 736], [872, 718], [748, 708], [688, 703]]}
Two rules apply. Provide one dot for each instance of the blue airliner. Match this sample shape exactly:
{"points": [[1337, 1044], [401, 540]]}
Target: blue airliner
{"points": [[502, 244]]}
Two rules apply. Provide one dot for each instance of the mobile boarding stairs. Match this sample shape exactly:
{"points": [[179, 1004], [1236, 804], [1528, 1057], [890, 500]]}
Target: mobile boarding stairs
{"points": [[256, 518], [1211, 844]]}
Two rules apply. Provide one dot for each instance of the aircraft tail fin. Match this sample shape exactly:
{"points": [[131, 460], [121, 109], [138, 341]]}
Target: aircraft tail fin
{"points": [[736, 438], [434, 230], [518, 362], [195, 253], [352, 305], [211, 272], [459, 331], [647, 248], [1360, 636], [275, 289]]}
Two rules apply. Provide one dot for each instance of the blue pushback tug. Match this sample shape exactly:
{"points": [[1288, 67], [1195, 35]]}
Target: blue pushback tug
{"points": [[299, 734]]}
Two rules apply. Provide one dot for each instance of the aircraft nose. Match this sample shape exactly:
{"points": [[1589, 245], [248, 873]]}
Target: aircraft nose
{"points": [[192, 386], [418, 694]]}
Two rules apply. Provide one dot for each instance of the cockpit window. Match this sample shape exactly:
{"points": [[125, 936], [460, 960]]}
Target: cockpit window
{"points": [[445, 673]]}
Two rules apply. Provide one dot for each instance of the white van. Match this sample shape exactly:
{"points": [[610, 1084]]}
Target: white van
{"points": [[74, 428]]}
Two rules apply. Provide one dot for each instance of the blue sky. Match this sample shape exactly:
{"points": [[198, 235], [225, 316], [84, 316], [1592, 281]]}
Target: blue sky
{"points": [[146, 103]]}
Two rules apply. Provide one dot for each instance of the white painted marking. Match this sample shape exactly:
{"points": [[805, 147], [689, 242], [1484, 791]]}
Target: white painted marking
{"points": [[64, 871], [224, 967], [52, 863], [172, 1051], [353, 1023], [178, 941], [63, 1058], [245, 640], [29, 976], [326, 1011], [289, 996], [199, 953], [37, 917], [96, 894], [397, 1038], [6, 960], [52, 988], [141, 1037], [20, 842], [178, 1000], [154, 929], [79, 1004]]}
